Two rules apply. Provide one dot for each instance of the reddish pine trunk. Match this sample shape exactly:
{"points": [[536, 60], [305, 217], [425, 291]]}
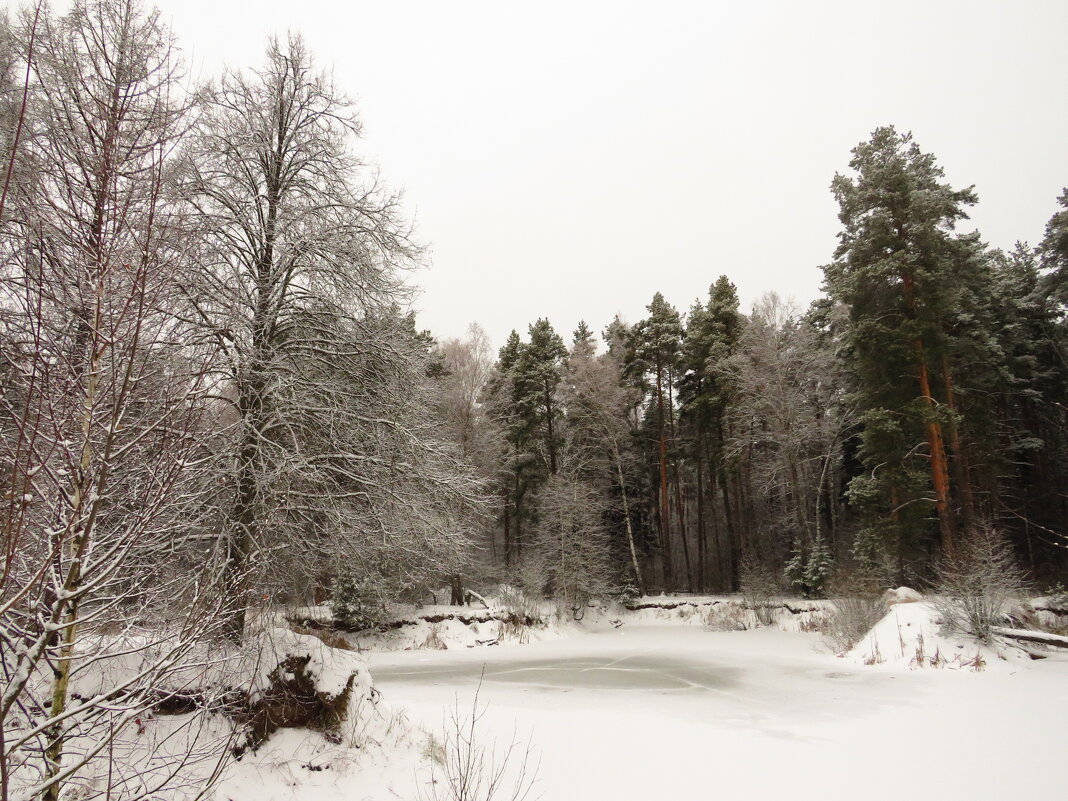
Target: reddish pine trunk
{"points": [[935, 442]]}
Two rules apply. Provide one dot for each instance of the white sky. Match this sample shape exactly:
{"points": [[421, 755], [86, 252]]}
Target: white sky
{"points": [[569, 159]]}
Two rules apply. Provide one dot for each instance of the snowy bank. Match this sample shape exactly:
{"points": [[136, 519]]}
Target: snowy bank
{"points": [[911, 635]]}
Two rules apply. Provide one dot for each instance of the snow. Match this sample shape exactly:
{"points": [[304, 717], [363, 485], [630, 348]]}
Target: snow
{"points": [[682, 698], [680, 712], [910, 636], [366, 765], [330, 668], [902, 595]]}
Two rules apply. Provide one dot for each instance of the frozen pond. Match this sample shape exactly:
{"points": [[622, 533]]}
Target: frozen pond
{"points": [[647, 673], [677, 712]]}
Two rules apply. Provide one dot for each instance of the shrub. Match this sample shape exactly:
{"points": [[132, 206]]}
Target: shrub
{"points": [[978, 585], [858, 605], [1057, 597], [726, 617], [467, 766], [520, 605], [760, 587]]}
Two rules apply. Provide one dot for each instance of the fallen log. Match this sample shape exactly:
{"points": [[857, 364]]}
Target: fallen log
{"points": [[1040, 637]]}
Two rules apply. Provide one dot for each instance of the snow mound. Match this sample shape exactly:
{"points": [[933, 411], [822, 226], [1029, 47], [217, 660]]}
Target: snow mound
{"points": [[910, 635], [902, 595]]}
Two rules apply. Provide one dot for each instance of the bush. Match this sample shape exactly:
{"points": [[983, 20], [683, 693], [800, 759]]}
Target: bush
{"points": [[858, 605], [760, 587], [520, 604], [468, 766], [1057, 597], [978, 585]]}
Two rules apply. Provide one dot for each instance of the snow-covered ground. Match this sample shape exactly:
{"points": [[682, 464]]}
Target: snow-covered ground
{"points": [[668, 702], [680, 712]]}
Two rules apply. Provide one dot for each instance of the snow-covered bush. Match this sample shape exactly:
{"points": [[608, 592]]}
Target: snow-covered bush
{"points": [[858, 604], [1057, 596], [297, 681], [732, 617], [760, 587], [978, 584], [519, 604]]}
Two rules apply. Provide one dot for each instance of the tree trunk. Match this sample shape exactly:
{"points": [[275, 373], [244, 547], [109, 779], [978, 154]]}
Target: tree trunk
{"points": [[961, 473], [936, 445], [717, 532], [626, 517], [551, 444], [702, 558], [680, 508], [939, 467], [664, 501]]}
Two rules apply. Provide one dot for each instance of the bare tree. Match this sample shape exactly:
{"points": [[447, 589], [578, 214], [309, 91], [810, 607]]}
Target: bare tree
{"points": [[789, 418], [299, 274], [600, 406], [571, 544], [466, 367], [100, 408]]}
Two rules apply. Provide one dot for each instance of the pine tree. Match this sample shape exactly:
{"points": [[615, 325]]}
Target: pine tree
{"points": [[656, 345], [499, 398], [896, 268], [1054, 253], [712, 332], [537, 375], [523, 398]]}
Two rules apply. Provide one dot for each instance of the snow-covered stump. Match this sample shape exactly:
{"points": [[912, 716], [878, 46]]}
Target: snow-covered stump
{"points": [[298, 681]]}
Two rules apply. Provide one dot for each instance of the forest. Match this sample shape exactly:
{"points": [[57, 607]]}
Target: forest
{"points": [[215, 400], [918, 401]]}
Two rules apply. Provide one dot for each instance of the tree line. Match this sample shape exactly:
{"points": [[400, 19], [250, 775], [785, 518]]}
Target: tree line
{"points": [[920, 398]]}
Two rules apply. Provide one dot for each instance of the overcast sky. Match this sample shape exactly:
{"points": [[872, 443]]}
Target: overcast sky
{"points": [[570, 159]]}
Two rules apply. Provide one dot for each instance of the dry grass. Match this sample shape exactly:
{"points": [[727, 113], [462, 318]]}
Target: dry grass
{"points": [[329, 638], [433, 640], [726, 617]]}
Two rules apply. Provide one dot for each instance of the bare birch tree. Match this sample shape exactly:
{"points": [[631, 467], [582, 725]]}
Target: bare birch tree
{"points": [[467, 368], [100, 415]]}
